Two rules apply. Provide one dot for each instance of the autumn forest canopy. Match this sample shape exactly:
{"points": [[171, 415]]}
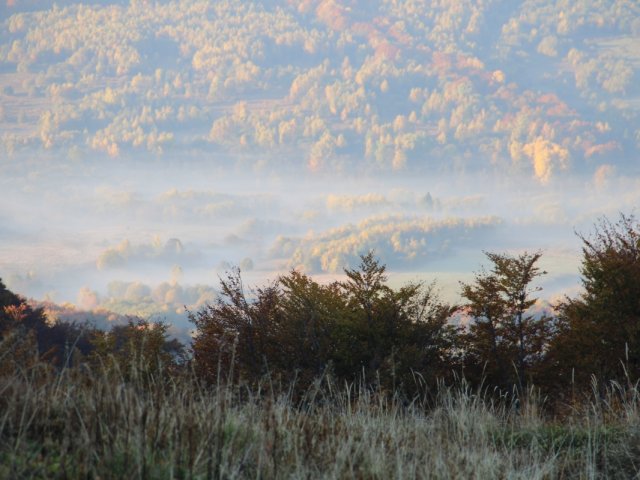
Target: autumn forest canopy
{"points": [[537, 87]]}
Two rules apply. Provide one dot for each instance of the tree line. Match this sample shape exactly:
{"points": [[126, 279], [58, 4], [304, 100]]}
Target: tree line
{"points": [[400, 340]]}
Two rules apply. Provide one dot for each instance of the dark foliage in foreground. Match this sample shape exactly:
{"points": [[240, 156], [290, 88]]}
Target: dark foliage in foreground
{"points": [[391, 339], [599, 331], [362, 329], [356, 329], [353, 379]]}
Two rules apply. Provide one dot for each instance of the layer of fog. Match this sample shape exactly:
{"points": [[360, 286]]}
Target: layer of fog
{"points": [[150, 236]]}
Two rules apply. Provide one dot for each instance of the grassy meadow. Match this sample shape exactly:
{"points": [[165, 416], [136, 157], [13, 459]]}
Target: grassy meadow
{"points": [[106, 423]]}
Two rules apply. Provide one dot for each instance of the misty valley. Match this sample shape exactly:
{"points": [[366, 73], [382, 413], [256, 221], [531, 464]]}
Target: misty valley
{"points": [[319, 239]]}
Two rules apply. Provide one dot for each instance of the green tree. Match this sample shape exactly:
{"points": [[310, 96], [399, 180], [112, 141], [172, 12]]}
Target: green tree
{"points": [[485, 340], [367, 297], [421, 341], [504, 339]]}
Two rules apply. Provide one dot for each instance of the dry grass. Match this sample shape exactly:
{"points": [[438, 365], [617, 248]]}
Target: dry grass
{"points": [[94, 424]]}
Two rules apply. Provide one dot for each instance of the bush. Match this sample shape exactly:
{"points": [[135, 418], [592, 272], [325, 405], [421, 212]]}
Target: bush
{"points": [[360, 329]]}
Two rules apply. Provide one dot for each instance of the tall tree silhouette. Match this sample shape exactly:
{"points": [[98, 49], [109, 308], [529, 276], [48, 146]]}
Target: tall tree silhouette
{"points": [[504, 338], [599, 330]]}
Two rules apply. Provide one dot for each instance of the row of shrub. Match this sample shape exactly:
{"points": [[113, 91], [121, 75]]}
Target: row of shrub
{"points": [[396, 340], [400, 339]]}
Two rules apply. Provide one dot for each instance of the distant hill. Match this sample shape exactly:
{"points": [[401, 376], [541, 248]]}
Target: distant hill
{"points": [[539, 87]]}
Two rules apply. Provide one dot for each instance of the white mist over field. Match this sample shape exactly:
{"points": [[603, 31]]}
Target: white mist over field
{"points": [[124, 234]]}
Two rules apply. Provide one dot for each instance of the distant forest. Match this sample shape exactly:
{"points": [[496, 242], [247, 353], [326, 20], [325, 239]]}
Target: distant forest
{"points": [[326, 85], [360, 329]]}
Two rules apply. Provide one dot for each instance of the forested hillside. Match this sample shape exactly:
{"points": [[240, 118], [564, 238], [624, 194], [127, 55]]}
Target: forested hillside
{"points": [[537, 87]]}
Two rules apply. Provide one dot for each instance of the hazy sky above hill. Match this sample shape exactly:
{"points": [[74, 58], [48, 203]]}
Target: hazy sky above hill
{"points": [[145, 147]]}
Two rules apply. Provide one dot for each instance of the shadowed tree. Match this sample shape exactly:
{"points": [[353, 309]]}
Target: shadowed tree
{"points": [[311, 313], [20, 329], [237, 331], [16, 314], [399, 332], [421, 339], [599, 330], [485, 338], [504, 338], [26, 335], [366, 294], [140, 347], [299, 327]]}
